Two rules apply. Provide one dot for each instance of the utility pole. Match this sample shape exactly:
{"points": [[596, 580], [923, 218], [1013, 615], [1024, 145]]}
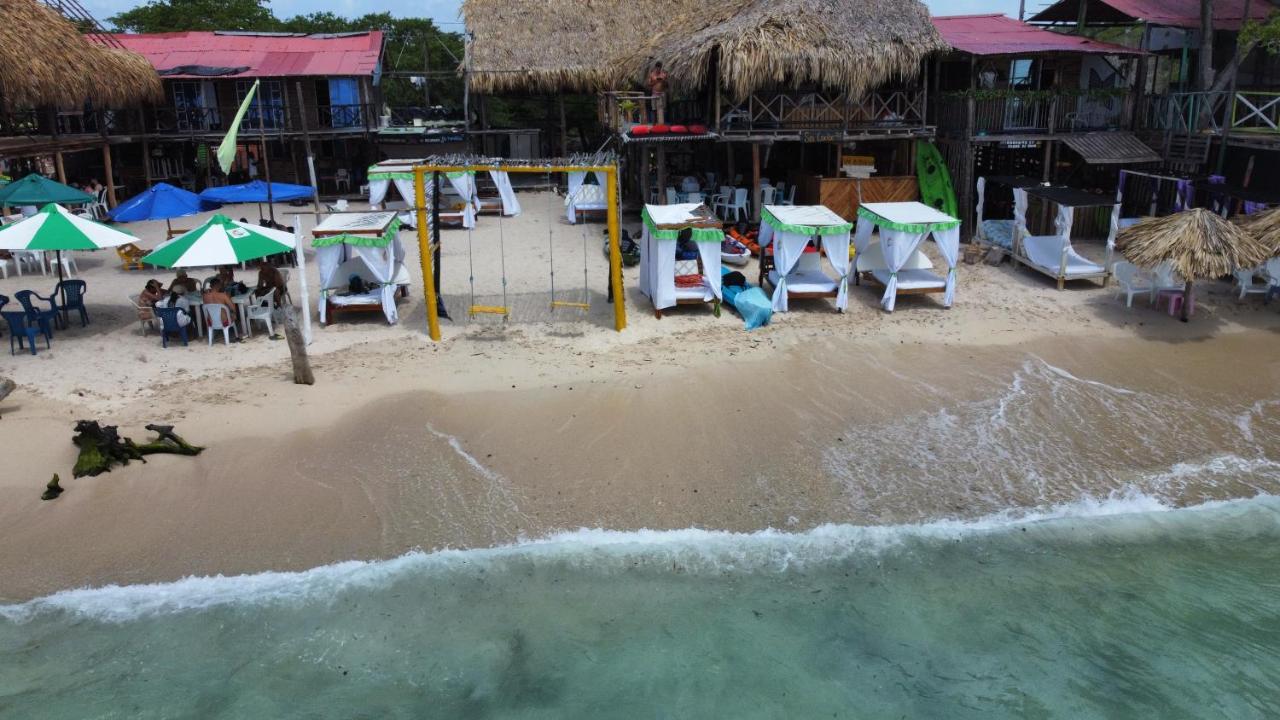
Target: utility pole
{"points": [[426, 66], [306, 139]]}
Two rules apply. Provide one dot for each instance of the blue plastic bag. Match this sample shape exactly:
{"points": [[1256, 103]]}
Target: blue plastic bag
{"points": [[751, 302]]}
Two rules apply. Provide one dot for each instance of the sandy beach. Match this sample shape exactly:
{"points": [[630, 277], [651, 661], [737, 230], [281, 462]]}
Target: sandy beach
{"points": [[554, 422]]}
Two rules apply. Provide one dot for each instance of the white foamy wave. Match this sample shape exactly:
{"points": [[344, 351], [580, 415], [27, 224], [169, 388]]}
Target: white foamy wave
{"points": [[690, 550]]}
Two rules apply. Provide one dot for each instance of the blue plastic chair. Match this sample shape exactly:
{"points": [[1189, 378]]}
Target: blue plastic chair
{"points": [[169, 324], [20, 327], [40, 315], [72, 293]]}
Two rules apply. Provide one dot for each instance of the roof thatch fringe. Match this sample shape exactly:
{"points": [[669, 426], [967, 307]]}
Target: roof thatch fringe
{"points": [[1199, 243], [1265, 226], [558, 45], [45, 61]]}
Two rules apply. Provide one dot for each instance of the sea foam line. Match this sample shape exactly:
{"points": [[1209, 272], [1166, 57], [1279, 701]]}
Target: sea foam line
{"points": [[693, 550]]}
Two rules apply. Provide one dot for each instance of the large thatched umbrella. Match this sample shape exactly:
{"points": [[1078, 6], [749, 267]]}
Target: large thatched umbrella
{"points": [[46, 62], [1265, 226], [1197, 243], [570, 45]]}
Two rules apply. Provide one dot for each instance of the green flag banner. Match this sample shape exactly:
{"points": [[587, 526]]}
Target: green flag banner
{"points": [[227, 150]]}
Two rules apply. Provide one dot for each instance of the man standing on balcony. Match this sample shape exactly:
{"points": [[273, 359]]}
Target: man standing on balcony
{"points": [[657, 84]]}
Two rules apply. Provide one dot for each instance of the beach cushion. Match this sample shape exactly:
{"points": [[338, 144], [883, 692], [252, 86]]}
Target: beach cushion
{"points": [[1045, 252], [998, 233], [912, 279], [805, 281]]}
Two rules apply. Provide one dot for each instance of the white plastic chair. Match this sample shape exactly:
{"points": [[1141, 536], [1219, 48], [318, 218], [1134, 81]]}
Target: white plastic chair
{"points": [[766, 195], [737, 207], [262, 310], [1130, 281], [694, 197], [1165, 279], [790, 199], [1272, 270], [673, 198], [68, 263], [218, 317], [721, 197], [342, 179], [99, 205], [31, 259], [1245, 281], [5, 262]]}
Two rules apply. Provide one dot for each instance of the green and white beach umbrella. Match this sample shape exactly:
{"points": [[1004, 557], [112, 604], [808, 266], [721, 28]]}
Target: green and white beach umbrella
{"points": [[221, 241], [56, 228]]}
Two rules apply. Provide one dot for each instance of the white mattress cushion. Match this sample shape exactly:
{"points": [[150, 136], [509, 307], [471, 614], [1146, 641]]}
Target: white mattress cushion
{"points": [[1045, 252], [912, 279], [805, 281]]}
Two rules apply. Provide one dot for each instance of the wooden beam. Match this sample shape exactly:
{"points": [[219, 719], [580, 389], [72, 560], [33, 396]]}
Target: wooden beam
{"points": [[146, 161], [755, 180], [110, 175], [62, 172], [662, 174]]}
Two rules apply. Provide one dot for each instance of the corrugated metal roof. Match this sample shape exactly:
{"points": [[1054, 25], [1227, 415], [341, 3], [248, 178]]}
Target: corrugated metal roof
{"points": [[1111, 148], [265, 54], [1227, 14], [996, 34]]}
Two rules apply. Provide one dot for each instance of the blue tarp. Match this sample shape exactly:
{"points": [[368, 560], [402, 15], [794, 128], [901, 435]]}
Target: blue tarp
{"points": [[161, 201], [256, 191], [750, 301]]}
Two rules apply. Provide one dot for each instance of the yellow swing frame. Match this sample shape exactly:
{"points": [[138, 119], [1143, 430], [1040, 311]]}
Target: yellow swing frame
{"points": [[425, 247]]}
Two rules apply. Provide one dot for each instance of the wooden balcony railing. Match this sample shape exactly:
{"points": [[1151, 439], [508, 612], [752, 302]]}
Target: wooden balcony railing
{"points": [[1031, 112], [185, 121], [1247, 112], [784, 113]]}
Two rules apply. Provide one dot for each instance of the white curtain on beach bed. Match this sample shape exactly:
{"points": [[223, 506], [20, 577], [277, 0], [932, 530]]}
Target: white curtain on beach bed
{"points": [[982, 204], [657, 269], [382, 263], [837, 250], [576, 182], [787, 249], [378, 190], [948, 242], [327, 261], [465, 185], [898, 247], [376, 265], [510, 205]]}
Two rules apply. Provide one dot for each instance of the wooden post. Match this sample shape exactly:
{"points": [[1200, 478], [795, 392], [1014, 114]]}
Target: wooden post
{"points": [[146, 161], [755, 180], [1186, 301], [644, 173], [564, 130], [302, 374], [306, 139], [662, 174], [62, 172], [110, 175]]}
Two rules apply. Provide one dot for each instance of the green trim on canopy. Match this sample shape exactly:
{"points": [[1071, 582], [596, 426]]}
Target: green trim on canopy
{"points": [[382, 240], [700, 235], [776, 224], [919, 228], [374, 175]]}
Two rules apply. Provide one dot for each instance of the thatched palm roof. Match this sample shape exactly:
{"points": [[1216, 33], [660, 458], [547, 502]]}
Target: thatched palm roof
{"points": [[590, 45], [45, 61], [1199, 243], [1265, 226]]}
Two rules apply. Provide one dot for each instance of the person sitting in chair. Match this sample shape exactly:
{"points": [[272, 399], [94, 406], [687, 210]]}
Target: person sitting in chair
{"points": [[216, 294], [181, 280], [269, 281], [151, 294], [177, 298]]}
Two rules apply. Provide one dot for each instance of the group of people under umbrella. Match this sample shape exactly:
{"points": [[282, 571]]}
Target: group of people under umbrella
{"points": [[218, 242]]}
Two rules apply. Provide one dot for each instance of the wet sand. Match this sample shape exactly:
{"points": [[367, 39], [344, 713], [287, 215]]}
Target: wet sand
{"points": [[375, 460]]}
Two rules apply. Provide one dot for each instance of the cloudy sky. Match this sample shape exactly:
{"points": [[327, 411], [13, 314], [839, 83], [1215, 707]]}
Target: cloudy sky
{"points": [[445, 12]]}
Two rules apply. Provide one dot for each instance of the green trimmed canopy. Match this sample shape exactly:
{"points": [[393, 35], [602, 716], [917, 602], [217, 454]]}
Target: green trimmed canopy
{"points": [[221, 241], [355, 240], [669, 215], [36, 189], [56, 228]]}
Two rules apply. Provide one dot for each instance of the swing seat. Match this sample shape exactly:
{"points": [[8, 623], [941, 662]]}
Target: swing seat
{"points": [[489, 310], [564, 303]]}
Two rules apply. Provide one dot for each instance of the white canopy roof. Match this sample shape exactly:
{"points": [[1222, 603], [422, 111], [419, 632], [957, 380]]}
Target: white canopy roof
{"points": [[908, 213], [816, 215], [680, 214], [366, 223]]}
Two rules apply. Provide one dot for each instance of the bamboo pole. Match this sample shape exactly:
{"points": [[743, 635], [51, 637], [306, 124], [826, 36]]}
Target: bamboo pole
{"points": [[424, 249], [110, 175], [615, 254]]}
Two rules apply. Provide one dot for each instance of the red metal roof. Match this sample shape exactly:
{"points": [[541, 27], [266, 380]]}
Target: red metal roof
{"points": [[999, 35], [1169, 13], [265, 54]]}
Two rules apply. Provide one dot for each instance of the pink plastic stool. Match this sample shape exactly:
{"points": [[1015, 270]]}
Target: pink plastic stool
{"points": [[1175, 302]]}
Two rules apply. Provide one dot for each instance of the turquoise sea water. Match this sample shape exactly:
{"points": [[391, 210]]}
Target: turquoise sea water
{"points": [[1114, 609]]}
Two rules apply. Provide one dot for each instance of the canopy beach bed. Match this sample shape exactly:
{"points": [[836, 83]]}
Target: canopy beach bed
{"points": [[364, 246], [997, 233], [793, 239], [582, 197], [659, 266], [459, 210], [895, 261], [1053, 254]]}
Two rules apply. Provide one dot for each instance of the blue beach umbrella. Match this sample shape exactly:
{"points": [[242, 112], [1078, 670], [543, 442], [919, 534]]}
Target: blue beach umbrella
{"points": [[256, 192], [161, 201]]}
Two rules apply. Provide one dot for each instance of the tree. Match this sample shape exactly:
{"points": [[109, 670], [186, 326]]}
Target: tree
{"points": [[1253, 34], [177, 15]]}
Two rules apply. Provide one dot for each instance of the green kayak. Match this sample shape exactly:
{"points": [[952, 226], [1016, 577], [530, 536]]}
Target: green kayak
{"points": [[935, 182]]}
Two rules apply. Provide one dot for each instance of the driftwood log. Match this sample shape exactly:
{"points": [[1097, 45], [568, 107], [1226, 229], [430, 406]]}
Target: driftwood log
{"points": [[101, 447], [302, 374], [52, 490], [6, 386]]}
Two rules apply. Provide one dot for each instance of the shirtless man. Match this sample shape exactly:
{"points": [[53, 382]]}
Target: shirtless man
{"points": [[657, 84]]}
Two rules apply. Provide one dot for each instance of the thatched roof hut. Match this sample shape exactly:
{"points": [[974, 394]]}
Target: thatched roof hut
{"points": [[1265, 226], [591, 45], [45, 61], [1199, 243]]}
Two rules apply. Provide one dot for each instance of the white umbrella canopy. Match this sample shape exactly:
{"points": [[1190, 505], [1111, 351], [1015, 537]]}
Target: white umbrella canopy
{"points": [[221, 241], [56, 228]]}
